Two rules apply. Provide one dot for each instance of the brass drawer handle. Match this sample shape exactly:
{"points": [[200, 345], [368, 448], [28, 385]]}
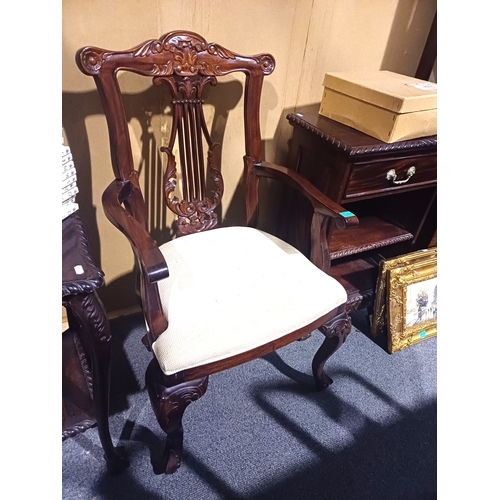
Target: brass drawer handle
{"points": [[391, 175]]}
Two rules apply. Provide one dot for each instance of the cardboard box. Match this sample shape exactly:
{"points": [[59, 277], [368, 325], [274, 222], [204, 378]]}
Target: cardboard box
{"points": [[383, 104]]}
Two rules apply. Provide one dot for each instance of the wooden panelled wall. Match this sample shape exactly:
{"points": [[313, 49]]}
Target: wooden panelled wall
{"points": [[307, 38]]}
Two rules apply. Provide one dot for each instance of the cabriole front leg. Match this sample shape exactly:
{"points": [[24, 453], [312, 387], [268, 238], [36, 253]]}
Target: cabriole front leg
{"points": [[335, 331], [169, 402]]}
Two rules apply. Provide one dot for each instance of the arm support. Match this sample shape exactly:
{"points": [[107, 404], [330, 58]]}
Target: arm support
{"points": [[146, 249], [326, 211], [322, 205]]}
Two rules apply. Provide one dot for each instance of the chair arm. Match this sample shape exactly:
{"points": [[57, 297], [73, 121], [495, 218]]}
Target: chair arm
{"points": [[320, 202], [145, 247]]}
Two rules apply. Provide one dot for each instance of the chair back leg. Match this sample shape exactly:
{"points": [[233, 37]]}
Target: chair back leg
{"points": [[335, 331]]}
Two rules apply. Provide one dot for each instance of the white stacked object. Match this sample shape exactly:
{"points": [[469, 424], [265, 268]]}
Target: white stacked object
{"points": [[69, 187]]}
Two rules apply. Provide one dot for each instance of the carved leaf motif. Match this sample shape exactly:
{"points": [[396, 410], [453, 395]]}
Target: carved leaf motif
{"points": [[218, 50], [151, 47], [185, 49], [215, 174], [163, 69], [186, 59], [175, 400], [170, 177], [210, 70], [96, 318], [193, 215], [187, 88], [177, 39]]}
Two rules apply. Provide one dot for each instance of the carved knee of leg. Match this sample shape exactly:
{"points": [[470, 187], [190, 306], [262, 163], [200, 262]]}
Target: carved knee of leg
{"points": [[339, 327], [170, 401]]}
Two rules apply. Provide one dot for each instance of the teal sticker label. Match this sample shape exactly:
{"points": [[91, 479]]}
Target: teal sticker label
{"points": [[346, 214], [422, 334]]}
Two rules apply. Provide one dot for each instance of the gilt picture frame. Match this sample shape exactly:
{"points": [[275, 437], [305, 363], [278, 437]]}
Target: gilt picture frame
{"points": [[379, 317], [412, 302]]}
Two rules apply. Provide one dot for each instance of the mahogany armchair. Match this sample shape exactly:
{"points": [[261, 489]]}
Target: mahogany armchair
{"points": [[213, 297]]}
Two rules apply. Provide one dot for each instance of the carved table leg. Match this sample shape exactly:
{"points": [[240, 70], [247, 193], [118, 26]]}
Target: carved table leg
{"points": [[169, 401], [96, 336], [335, 331]]}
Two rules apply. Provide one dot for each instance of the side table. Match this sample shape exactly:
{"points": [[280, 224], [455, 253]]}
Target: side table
{"points": [[86, 345], [390, 187]]}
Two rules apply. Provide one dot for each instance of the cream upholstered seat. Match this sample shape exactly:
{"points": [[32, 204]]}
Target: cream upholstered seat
{"points": [[233, 289], [213, 298]]}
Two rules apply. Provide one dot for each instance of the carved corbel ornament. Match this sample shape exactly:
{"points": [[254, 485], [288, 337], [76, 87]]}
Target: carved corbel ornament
{"points": [[339, 327]]}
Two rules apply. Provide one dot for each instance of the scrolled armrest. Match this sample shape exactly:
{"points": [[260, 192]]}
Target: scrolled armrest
{"points": [[145, 247], [320, 202]]}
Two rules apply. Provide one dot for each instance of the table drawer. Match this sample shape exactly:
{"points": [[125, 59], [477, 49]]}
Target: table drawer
{"points": [[384, 177]]}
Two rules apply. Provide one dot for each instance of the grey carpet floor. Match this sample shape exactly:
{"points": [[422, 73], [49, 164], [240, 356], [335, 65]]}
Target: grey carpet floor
{"points": [[263, 432]]}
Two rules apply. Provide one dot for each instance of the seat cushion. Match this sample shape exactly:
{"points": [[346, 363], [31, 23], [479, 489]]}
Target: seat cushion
{"points": [[233, 289]]}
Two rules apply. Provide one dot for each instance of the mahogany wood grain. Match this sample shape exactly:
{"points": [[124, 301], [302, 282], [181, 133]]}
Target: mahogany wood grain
{"points": [[371, 233], [369, 179], [185, 65], [350, 141]]}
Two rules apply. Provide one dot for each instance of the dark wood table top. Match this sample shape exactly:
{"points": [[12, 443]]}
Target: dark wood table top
{"points": [[79, 273], [348, 138]]}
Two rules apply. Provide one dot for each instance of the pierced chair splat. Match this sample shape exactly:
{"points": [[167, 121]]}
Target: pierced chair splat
{"points": [[209, 282]]}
